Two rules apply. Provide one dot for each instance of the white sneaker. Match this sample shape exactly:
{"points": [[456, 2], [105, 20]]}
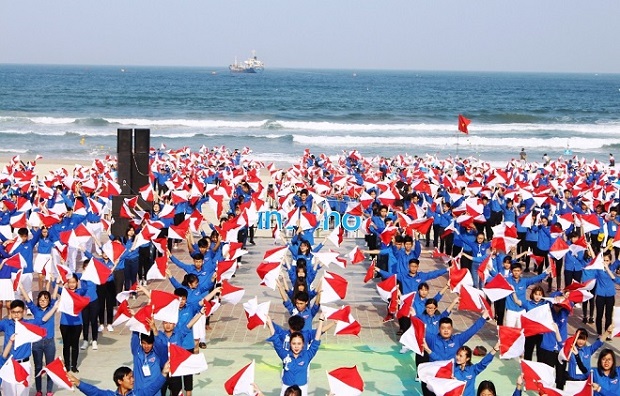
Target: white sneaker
{"points": [[100, 329], [84, 345], [110, 328], [95, 346]]}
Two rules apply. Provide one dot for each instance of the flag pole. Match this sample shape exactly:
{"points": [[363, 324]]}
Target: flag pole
{"points": [[457, 144]]}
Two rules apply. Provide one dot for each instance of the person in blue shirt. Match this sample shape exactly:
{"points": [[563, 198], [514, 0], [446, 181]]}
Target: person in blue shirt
{"points": [[536, 300], [579, 362], [90, 314], [464, 370], [125, 383], [605, 292], [22, 353], [606, 375], [445, 343], [296, 360], [301, 308], [70, 329], [43, 313], [520, 285], [6, 352]]}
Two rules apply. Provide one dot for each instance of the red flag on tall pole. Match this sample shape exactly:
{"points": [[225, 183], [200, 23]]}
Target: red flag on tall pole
{"points": [[463, 123]]}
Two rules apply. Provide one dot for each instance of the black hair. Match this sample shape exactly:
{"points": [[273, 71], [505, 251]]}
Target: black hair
{"points": [[120, 373], [467, 353], [423, 285], [293, 390], [198, 256], [613, 373], [180, 292], [189, 278], [486, 385], [408, 239], [22, 232], [17, 304], [296, 323], [413, 260], [148, 338], [296, 334], [302, 296], [516, 265], [203, 243], [445, 320], [44, 293]]}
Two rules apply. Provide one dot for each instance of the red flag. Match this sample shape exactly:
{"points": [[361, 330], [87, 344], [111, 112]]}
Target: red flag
{"points": [[241, 381], [463, 124], [370, 273], [345, 381]]}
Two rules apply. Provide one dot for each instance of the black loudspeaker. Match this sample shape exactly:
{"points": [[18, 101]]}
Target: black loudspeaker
{"points": [[123, 170], [141, 140], [124, 140], [139, 171], [120, 224]]}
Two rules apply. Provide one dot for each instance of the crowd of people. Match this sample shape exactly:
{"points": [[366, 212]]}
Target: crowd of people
{"points": [[544, 228]]}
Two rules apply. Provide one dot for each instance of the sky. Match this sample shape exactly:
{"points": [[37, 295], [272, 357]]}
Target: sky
{"points": [[467, 35]]}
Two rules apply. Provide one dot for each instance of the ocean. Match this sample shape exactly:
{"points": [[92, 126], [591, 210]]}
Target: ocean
{"points": [[73, 112]]}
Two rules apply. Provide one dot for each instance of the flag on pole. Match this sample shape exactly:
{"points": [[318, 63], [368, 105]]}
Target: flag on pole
{"points": [[463, 124]]}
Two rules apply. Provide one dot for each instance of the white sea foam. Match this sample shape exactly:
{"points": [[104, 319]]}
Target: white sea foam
{"points": [[16, 151], [188, 123], [443, 141]]}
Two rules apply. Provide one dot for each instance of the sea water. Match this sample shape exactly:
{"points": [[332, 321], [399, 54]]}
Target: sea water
{"points": [[73, 112]]}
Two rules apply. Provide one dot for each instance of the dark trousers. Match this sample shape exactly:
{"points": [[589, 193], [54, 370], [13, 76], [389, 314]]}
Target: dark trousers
{"points": [[145, 260], [90, 316], [569, 276], [437, 231], [44, 348], [107, 301], [131, 273], [550, 358], [419, 360], [404, 323], [604, 305], [175, 384], [119, 281], [500, 310], [532, 342], [70, 344]]}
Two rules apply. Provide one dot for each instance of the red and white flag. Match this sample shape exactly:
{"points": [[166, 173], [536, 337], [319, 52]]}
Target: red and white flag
{"points": [[241, 382], [97, 272], [226, 269], [558, 249], [345, 322], [113, 249], [268, 274], [438, 369], [15, 261], [472, 299], [233, 250], [356, 255], [334, 287], [511, 342], [498, 288], [158, 269], [579, 296], [413, 338], [615, 322], [26, 333], [579, 388], [58, 374], [370, 273], [567, 349], [537, 321], [535, 373], [336, 236], [139, 321], [458, 278], [17, 279], [123, 314], [386, 287], [345, 381], [231, 294], [596, 263], [275, 254], [256, 313], [125, 294], [72, 303], [165, 306], [329, 257], [446, 387], [14, 373], [183, 362]]}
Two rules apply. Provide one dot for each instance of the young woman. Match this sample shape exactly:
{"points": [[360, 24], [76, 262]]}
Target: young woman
{"points": [[43, 313], [70, 328], [606, 376], [296, 360]]}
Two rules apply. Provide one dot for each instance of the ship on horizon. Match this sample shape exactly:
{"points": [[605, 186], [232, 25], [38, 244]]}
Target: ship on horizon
{"points": [[251, 65]]}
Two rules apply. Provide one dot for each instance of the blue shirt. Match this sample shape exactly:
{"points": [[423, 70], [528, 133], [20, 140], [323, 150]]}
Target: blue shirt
{"points": [[8, 327], [38, 313], [469, 373], [295, 369], [609, 386], [308, 314], [444, 349], [151, 389], [142, 362]]}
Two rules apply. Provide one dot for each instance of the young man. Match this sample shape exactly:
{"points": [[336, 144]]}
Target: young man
{"points": [[301, 307], [514, 311], [17, 310], [125, 382]]}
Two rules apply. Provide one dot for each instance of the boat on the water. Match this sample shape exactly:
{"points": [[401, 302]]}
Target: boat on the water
{"points": [[251, 65]]}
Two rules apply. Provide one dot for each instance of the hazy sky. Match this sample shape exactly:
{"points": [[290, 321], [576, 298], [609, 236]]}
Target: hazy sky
{"points": [[525, 35]]}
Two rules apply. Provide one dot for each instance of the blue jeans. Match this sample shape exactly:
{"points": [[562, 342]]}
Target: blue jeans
{"points": [[46, 347], [131, 272]]}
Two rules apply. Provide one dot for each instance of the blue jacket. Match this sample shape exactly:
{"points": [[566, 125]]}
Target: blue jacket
{"points": [[295, 369], [143, 362], [469, 373], [444, 349], [585, 355], [609, 386], [151, 389]]}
